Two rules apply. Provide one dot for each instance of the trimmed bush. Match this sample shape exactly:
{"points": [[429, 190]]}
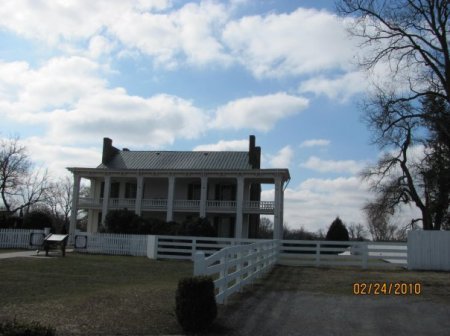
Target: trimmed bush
{"points": [[123, 221], [196, 306], [15, 328], [198, 227], [155, 226]]}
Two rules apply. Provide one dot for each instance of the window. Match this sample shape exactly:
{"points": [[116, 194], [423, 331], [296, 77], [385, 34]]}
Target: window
{"points": [[225, 192], [194, 191], [113, 193], [130, 190]]}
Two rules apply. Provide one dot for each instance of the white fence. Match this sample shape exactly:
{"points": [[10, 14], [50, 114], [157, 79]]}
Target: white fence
{"points": [[115, 244], [234, 267], [180, 247], [429, 250], [302, 253], [332, 253], [19, 238]]}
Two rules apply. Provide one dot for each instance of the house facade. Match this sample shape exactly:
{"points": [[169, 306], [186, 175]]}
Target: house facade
{"points": [[224, 187]]}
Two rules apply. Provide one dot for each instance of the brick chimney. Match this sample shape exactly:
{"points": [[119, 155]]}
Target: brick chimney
{"points": [[254, 153], [109, 151]]}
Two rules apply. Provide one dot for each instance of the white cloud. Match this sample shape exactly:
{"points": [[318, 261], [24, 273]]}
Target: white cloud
{"points": [[342, 88], [68, 96], [53, 21], [57, 157], [302, 42], [225, 145], [60, 82], [282, 159], [100, 45], [316, 202], [153, 121], [315, 143], [305, 41], [334, 166], [258, 112]]}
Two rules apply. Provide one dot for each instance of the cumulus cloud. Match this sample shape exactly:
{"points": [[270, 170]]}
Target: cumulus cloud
{"points": [[53, 21], [302, 42], [315, 143], [333, 166], [195, 33], [57, 157], [341, 88], [153, 121], [258, 112], [314, 203], [59, 82], [225, 145], [282, 159], [69, 97]]}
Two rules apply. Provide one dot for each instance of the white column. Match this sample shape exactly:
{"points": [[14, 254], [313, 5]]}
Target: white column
{"points": [[278, 215], [106, 191], [75, 199], [282, 211], [203, 195], [139, 190], [170, 195], [239, 207]]}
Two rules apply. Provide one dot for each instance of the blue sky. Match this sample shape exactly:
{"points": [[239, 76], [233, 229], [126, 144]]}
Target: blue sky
{"points": [[178, 75]]}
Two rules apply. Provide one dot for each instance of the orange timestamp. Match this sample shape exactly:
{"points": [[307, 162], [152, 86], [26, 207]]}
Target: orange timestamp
{"points": [[387, 288]]}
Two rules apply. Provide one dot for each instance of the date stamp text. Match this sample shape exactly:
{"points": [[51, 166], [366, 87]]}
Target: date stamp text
{"points": [[387, 288]]}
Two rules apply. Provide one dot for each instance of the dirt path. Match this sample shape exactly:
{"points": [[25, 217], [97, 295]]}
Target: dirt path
{"points": [[308, 301]]}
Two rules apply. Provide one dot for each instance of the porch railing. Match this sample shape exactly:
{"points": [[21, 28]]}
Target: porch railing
{"points": [[220, 204], [186, 204], [154, 203], [115, 203], [264, 207]]}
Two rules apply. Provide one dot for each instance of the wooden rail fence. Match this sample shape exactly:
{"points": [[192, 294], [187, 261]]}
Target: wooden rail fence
{"points": [[234, 267]]}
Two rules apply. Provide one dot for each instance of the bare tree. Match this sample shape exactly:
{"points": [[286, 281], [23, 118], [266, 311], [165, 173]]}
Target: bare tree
{"points": [[357, 231], [378, 221], [59, 199], [411, 37], [265, 228], [399, 177], [21, 186]]}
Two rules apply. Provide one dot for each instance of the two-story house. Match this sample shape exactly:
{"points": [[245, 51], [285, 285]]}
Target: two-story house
{"points": [[224, 187]]}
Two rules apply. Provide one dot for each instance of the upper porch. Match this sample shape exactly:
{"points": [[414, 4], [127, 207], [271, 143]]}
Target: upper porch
{"points": [[182, 205]]}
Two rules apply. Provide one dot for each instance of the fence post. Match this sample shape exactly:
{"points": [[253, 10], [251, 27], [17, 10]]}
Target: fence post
{"points": [[152, 247], [365, 254], [199, 263], [194, 248], [318, 254]]}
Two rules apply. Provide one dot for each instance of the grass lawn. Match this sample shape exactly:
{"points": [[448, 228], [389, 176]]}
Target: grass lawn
{"points": [[93, 294], [11, 250]]}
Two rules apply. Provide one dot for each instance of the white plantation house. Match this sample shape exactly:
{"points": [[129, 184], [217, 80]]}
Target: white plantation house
{"points": [[224, 187]]}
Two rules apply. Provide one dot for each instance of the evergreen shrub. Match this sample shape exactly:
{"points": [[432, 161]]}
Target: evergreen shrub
{"points": [[196, 306]]}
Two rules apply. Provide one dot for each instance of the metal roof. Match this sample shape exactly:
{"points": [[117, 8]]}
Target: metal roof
{"points": [[170, 160]]}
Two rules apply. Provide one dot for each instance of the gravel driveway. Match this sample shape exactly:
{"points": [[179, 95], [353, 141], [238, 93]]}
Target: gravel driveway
{"points": [[308, 301]]}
